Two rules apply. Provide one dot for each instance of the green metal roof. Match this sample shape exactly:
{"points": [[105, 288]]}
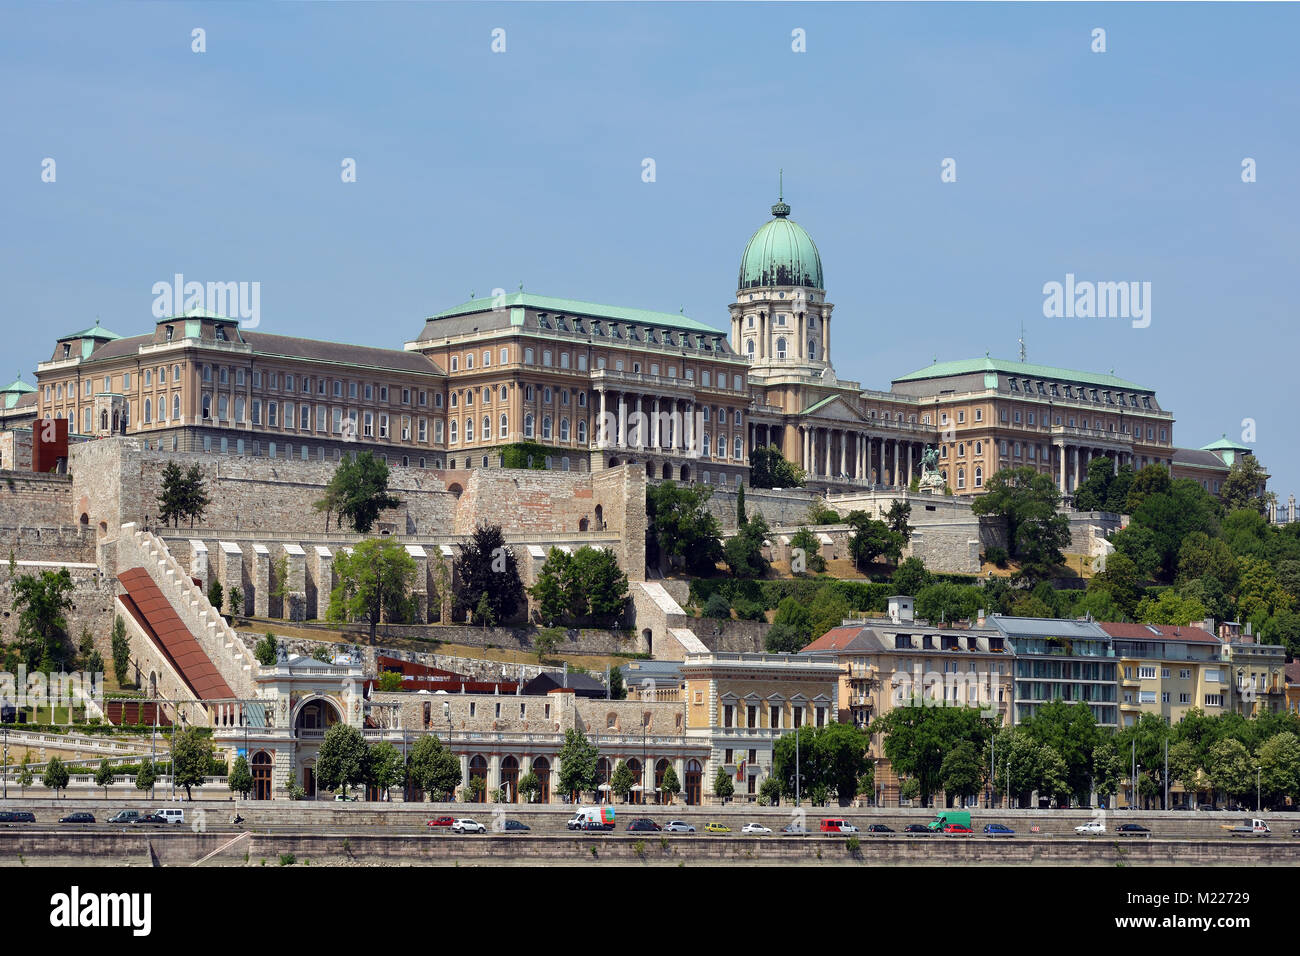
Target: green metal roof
{"points": [[1223, 444], [594, 310], [780, 253], [1019, 370], [18, 385], [94, 332]]}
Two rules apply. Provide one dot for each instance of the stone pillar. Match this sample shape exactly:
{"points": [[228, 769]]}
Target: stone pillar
{"points": [[420, 583], [688, 427], [296, 593], [1114, 462], [640, 426], [320, 582], [654, 431], [1062, 469], [604, 439], [620, 440], [826, 339], [261, 581], [844, 448], [230, 572], [1074, 453], [199, 563], [804, 464], [827, 433], [909, 464]]}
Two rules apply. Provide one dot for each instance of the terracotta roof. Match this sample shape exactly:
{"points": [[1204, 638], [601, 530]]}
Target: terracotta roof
{"points": [[839, 639], [1190, 633], [159, 620]]}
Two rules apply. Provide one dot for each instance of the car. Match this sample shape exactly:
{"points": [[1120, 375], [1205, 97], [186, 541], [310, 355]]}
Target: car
{"points": [[716, 827], [515, 826], [441, 822], [124, 816], [643, 824], [1091, 828], [1206, 807], [957, 829], [837, 825], [344, 798], [1235, 808], [678, 826], [1131, 829], [756, 829], [466, 825], [81, 816], [878, 828], [794, 829], [171, 814], [998, 830], [149, 818], [17, 816], [1181, 806], [919, 829], [595, 826], [1296, 832]]}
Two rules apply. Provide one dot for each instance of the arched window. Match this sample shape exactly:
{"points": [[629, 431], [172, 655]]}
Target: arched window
{"points": [[582, 431], [148, 411], [455, 363], [176, 406], [455, 399], [979, 477], [961, 477], [469, 429], [749, 348], [469, 396], [528, 425], [453, 431], [582, 399], [706, 445], [812, 350], [487, 394], [564, 429], [780, 348], [503, 427], [546, 427], [487, 428], [739, 449], [505, 393]]}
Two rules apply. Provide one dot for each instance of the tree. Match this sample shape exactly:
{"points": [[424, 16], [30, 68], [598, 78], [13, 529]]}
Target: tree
{"points": [[280, 582], [1230, 768], [1279, 768], [897, 517], [805, 541], [441, 594], [1169, 608], [722, 785], [42, 601], [741, 517], [266, 650], [1200, 556], [963, 770], [918, 738], [1121, 580], [358, 492], [191, 758], [56, 775], [1244, 486], [617, 686], [768, 468], [948, 602], [578, 758], [784, 638], [683, 525], [546, 641], [549, 592], [1151, 480], [910, 576], [216, 596], [235, 597], [602, 582], [171, 500], [240, 780], [342, 761], [795, 614], [828, 610], [385, 767], [194, 495], [25, 775], [1161, 522], [434, 768], [1072, 732], [1107, 767], [530, 786], [832, 761], [1027, 501], [390, 681], [743, 552], [1105, 489], [104, 776], [488, 566], [717, 606], [670, 786], [871, 539], [121, 648], [374, 583], [622, 780]]}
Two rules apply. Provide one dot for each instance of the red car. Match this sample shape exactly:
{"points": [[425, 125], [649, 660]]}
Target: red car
{"points": [[441, 822], [957, 828]]}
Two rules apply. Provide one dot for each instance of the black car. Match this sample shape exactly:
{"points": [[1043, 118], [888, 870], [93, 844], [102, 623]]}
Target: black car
{"points": [[644, 823], [17, 816], [596, 825], [917, 828], [81, 816], [1181, 806], [1129, 829], [879, 828], [148, 818], [514, 826]]}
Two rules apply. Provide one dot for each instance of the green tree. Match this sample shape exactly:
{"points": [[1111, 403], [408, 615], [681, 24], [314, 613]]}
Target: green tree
{"points": [[1161, 522], [235, 597], [1230, 768], [385, 767], [1072, 732], [434, 768], [25, 775], [827, 611], [104, 776], [768, 468], [670, 786], [42, 602], [266, 650], [722, 785], [239, 781], [871, 539], [1121, 579], [549, 593], [121, 648], [784, 638], [56, 775], [488, 566], [1200, 556], [617, 686], [741, 517], [171, 500], [622, 780], [1027, 501], [910, 576], [194, 495], [1244, 486], [899, 513], [602, 582], [343, 757], [683, 525], [530, 786], [1107, 768], [216, 596], [280, 582], [358, 492], [963, 770], [546, 641], [191, 758], [374, 584], [743, 551], [1151, 480], [1169, 608], [796, 615], [578, 759], [717, 606], [948, 602], [147, 776], [918, 738], [390, 681], [805, 541]]}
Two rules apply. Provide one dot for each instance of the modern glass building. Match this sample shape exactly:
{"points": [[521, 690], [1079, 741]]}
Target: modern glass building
{"points": [[1060, 660]]}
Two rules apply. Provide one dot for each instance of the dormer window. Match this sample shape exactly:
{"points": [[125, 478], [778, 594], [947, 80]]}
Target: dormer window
{"points": [[221, 333], [613, 332], [543, 321], [67, 349], [171, 330], [1011, 383], [561, 323]]}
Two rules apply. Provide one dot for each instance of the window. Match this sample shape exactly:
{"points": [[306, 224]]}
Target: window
{"points": [[455, 399], [546, 426], [582, 431], [739, 449], [1146, 673], [469, 360], [979, 414], [437, 431], [780, 348], [528, 426], [1213, 700], [422, 432], [455, 363], [502, 427], [271, 410], [453, 431], [979, 477], [148, 411], [176, 406], [368, 425], [564, 429], [505, 356], [546, 358], [487, 359], [528, 357], [469, 429], [564, 360]]}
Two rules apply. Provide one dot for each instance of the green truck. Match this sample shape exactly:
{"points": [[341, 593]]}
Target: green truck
{"points": [[944, 817]]}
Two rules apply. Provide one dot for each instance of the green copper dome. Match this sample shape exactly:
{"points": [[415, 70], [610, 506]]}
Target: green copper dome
{"points": [[781, 253]]}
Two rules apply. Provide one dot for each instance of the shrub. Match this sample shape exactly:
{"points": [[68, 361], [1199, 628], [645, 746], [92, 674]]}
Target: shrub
{"points": [[717, 606], [996, 555]]}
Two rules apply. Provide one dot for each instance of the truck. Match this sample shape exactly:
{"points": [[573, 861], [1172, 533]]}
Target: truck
{"points": [[584, 815], [1249, 828], [945, 817]]}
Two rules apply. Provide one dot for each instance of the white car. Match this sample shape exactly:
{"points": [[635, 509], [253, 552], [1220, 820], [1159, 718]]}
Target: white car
{"points": [[677, 826], [1092, 828], [466, 825], [756, 829]]}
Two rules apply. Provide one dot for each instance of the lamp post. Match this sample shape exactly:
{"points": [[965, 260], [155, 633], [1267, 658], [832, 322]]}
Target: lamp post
{"points": [[796, 765], [1257, 772], [6, 773]]}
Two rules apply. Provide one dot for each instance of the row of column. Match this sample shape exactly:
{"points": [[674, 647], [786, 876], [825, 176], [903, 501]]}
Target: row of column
{"points": [[1072, 463], [855, 456]]}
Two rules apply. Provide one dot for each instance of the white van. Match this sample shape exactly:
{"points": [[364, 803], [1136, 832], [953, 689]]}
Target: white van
{"points": [[172, 814]]}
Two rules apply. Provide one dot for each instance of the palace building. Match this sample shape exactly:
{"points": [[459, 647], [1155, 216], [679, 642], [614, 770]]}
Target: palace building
{"points": [[597, 386]]}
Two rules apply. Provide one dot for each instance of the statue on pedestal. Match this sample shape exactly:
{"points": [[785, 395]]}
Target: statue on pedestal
{"points": [[932, 482]]}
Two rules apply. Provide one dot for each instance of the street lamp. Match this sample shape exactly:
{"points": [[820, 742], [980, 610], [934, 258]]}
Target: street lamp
{"points": [[1257, 772]]}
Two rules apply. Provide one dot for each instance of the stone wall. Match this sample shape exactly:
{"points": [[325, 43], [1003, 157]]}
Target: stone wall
{"points": [[778, 508], [29, 500], [93, 605], [731, 637], [16, 449], [65, 544]]}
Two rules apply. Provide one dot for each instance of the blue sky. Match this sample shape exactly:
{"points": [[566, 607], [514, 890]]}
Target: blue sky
{"points": [[478, 170]]}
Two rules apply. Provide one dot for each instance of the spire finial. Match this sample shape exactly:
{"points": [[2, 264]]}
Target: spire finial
{"points": [[780, 190], [1022, 341]]}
